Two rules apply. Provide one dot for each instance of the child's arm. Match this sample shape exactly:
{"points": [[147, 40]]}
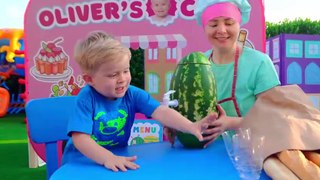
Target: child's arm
{"points": [[171, 118], [99, 154]]}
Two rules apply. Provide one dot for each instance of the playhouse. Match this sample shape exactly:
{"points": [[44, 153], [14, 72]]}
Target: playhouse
{"points": [[297, 60], [53, 27], [162, 53]]}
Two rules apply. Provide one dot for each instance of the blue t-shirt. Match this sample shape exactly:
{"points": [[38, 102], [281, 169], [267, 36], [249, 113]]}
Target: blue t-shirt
{"points": [[256, 74], [108, 122]]}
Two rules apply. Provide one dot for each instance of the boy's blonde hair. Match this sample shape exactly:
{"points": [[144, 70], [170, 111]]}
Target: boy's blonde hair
{"points": [[97, 48]]}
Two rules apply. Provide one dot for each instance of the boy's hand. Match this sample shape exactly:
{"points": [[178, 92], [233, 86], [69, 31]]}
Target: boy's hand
{"points": [[170, 134], [202, 125], [197, 129], [116, 163]]}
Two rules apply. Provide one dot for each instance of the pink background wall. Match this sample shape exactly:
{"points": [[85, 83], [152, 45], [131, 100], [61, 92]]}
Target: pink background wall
{"points": [[36, 33]]}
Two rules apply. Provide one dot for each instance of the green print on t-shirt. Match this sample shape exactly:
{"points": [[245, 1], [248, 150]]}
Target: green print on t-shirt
{"points": [[105, 126]]}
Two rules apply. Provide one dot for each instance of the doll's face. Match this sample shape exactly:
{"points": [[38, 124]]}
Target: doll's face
{"points": [[160, 7]]}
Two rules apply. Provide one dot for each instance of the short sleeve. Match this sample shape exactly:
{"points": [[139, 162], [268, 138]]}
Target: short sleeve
{"points": [[81, 119], [144, 103], [267, 76]]}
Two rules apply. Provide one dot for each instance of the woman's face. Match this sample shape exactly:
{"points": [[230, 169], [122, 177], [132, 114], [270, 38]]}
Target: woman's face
{"points": [[222, 32]]}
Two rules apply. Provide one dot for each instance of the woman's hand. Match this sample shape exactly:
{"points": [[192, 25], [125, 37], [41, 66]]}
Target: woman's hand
{"points": [[216, 127], [219, 125], [201, 126], [116, 163], [196, 129]]}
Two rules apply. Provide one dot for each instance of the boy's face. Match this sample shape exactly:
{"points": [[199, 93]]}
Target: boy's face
{"points": [[112, 78], [160, 7]]}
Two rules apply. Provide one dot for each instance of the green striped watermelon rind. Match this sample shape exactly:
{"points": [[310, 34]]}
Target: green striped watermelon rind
{"points": [[195, 87]]}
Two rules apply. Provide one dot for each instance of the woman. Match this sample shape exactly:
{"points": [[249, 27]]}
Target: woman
{"points": [[241, 73], [247, 78]]}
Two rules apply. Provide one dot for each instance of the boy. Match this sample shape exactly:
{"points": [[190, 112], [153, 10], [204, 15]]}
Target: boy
{"points": [[106, 106], [161, 12]]}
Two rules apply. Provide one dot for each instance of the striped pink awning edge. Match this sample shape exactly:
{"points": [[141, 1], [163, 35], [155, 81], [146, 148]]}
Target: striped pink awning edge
{"points": [[154, 41]]}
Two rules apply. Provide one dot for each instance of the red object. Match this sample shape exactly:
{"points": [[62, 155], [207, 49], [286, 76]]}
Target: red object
{"points": [[6, 75], [23, 96], [234, 84], [21, 81], [4, 101], [18, 52], [71, 81], [20, 66]]}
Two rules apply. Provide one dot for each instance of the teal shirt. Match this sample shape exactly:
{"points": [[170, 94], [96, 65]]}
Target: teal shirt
{"points": [[256, 74]]}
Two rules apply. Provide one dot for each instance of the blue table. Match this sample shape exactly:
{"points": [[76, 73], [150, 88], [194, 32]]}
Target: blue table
{"points": [[159, 161]]}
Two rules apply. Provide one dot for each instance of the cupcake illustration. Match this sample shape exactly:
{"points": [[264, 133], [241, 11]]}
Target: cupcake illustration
{"points": [[51, 61]]}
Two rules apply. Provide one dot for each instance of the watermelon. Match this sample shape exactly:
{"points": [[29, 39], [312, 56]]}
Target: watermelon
{"points": [[196, 92]]}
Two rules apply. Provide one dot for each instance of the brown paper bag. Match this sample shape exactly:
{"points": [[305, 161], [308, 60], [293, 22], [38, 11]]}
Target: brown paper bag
{"points": [[285, 116]]}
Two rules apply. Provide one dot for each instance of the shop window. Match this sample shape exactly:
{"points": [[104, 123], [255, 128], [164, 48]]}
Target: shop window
{"points": [[171, 54], [294, 74], [152, 54], [312, 49], [294, 49], [276, 50], [153, 83], [312, 74], [268, 48], [168, 80]]}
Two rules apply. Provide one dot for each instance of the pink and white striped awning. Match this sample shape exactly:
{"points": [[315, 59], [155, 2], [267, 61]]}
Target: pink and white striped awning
{"points": [[154, 41]]}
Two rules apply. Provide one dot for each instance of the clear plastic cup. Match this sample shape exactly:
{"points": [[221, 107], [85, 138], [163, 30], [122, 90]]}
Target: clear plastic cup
{"points": [[244, 152]]}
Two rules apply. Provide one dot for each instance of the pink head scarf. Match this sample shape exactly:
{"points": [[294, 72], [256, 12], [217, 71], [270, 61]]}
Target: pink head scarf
{"points": [[224, 9]]}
